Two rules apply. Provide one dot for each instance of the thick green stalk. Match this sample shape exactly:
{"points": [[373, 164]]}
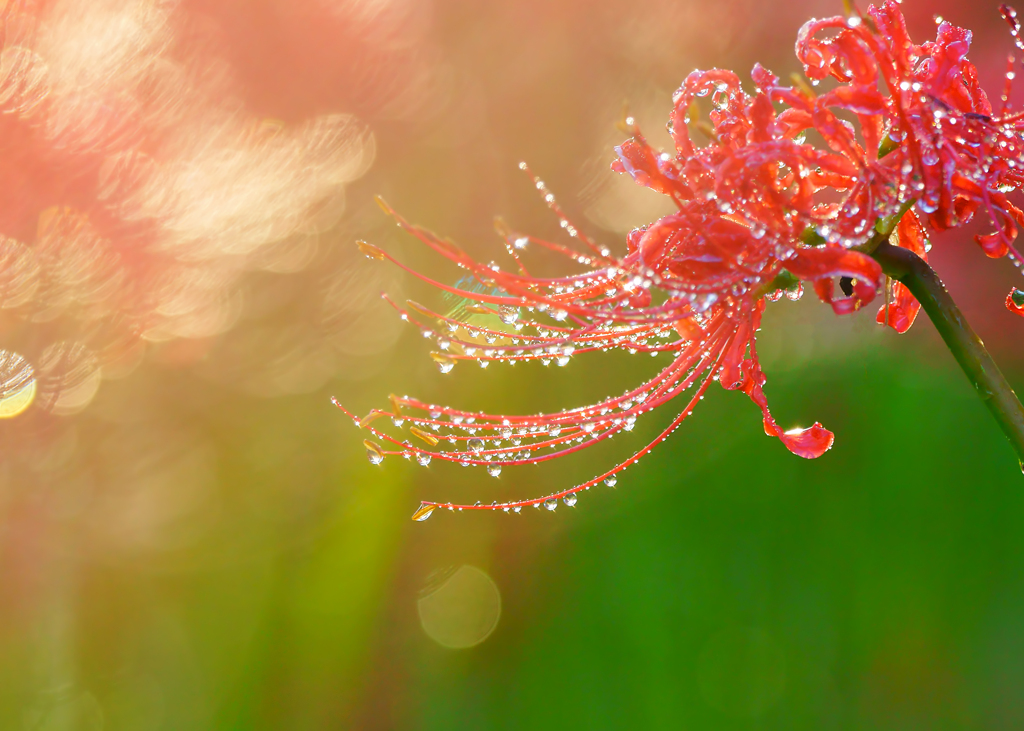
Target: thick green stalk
{"points": [[907, 267]]}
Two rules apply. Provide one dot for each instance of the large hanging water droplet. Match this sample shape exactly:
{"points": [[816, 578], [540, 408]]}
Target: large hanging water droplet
{"points": [[551, 503], [423, 512], [423, 458], [444, 362], [508, 315], [373, 452], [611, 480], [494, 470], [570, 499], [475, 445]]}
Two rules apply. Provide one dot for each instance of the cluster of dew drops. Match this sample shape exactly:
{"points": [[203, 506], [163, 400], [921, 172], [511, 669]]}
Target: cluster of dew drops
{"points": [[494, 441]]}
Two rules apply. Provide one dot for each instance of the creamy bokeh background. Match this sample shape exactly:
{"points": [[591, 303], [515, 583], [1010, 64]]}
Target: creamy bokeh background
{"points": [[191, 536]]}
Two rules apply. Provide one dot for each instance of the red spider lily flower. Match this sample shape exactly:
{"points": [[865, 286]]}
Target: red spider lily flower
{"points": [[755, 205], [901, 307], [709, 268], [934, 137]]}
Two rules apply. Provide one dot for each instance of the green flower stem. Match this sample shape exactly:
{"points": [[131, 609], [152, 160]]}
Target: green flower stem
{"points": [[908, 268]]}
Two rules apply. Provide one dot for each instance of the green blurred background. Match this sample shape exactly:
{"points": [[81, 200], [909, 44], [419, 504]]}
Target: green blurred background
{"points": [[205, 546]]}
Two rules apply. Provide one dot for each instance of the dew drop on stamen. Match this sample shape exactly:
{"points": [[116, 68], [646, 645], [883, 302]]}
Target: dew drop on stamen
{"points": [[570, 499], [508, 315], [494, 470], [423, 512], [444, 363], [611, 480], [423, 458], [550, 503], [475, 445], [373, 452]]}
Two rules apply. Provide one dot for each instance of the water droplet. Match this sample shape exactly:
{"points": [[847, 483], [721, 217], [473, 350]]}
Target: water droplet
{"points": [[423, 458], [611, 480], [494, 470], [570, 499], [475, 445], [444, 363], [423, 512], [373, 452], [508, 315], [550, 503]]}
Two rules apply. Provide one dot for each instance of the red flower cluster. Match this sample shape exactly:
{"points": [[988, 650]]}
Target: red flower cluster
{"points": [[759, 208]]}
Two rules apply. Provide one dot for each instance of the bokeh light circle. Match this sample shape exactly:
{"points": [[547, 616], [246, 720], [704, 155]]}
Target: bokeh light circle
{"points": [[17, 384], [463, 611]]}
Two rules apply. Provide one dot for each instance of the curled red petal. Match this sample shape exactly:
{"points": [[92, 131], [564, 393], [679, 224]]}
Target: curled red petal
{"points": [[857, 99], [901, 312], [731, 374], [809, 443], [903, 308], [820, 264], [994, 244], [644, 164]]}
